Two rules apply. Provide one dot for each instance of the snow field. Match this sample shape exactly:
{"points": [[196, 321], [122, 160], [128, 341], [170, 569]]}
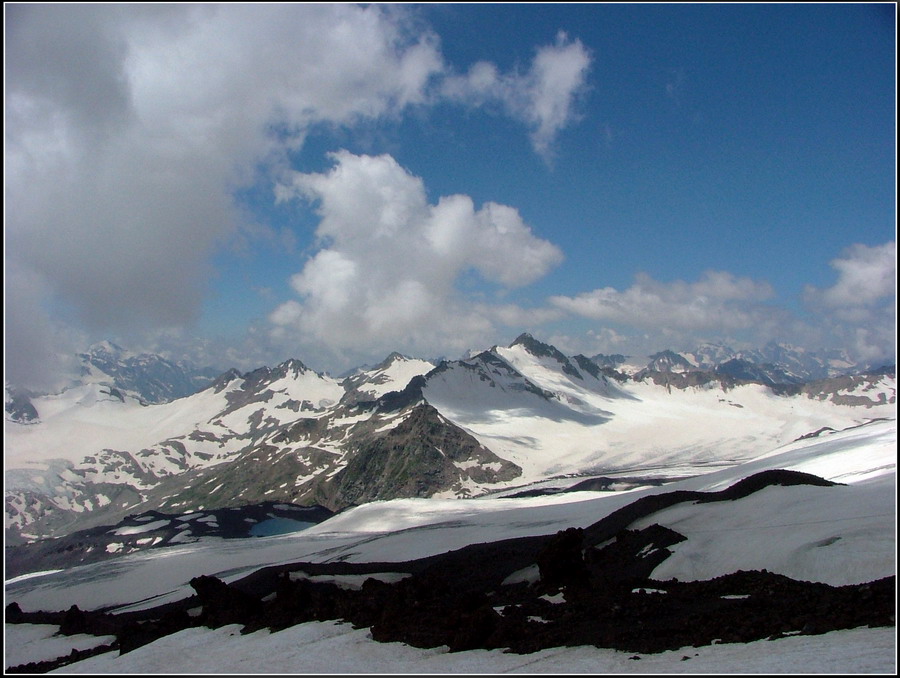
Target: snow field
{"points": [[644, 428], [26, 643], [405, 529], [334, 648]]}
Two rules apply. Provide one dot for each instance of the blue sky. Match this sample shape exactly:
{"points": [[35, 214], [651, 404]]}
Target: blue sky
{"points": [[245, 184]]}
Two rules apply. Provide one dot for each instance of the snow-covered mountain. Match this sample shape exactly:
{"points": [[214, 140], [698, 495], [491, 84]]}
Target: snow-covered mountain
{"points": [[504, 418], [774, 364], [392, 374], [147, 376]]}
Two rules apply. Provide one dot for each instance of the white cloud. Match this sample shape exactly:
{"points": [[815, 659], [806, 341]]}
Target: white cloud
{"points": [[866, 276], [857, 313], [557, 76], [386, 272], [128, 128], [41, 354], [543, 97], [718, 300], [860, 308], [514, 316]]}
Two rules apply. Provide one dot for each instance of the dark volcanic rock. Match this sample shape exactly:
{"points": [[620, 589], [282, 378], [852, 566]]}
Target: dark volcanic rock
{"points": [[223, 604], [561, 561], [580, 586]]}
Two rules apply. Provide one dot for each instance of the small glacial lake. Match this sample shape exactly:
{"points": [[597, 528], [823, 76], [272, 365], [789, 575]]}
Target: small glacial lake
{"points": [[273, 526]]}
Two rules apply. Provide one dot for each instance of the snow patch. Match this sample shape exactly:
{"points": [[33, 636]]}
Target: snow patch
{"points": [[138, 529]]}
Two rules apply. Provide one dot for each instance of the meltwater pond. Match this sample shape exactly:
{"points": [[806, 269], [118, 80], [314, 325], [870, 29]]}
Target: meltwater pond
{"points": [[273, 526]]}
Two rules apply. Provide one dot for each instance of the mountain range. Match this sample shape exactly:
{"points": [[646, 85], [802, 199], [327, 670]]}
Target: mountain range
{"points": [[147, 376], [507, 418], [517, 509]]}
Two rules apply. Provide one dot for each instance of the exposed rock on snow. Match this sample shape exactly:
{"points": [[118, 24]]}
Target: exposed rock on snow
{"points": [[594, 587]]}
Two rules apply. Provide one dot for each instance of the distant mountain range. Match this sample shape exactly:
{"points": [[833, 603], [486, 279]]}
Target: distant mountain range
{"points": [[142, 433], [773, 364], [147, 376]]}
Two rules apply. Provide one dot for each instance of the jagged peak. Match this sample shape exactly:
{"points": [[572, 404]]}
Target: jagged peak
{"points": [[542, 350], [292, 365], [106, 347], [668, 353], [587, 365], [524, 338], [224, 379], [535, 346], [391, 359], [490, 357]]}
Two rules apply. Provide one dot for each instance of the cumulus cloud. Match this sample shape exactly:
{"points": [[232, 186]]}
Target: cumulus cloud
{"points": [[857, 313], [543, 97], [41, 355], [866, 276], [860, 307], [386, 271], [719, 300], [127, 131], [129, 127]]}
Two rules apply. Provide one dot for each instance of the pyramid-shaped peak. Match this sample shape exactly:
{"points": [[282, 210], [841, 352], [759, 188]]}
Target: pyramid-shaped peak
{"points": [[535, 346], [541, 350], [291, 365], [523, 338], [394, 357], [668, 353], [224, 379], [105, 347], [528, 342]]}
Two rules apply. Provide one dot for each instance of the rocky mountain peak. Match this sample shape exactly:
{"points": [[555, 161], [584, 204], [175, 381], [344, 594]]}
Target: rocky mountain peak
{"points": [[612, 360], [524, 338], [224, 379], [541, 350], [669, 361], [391, 359], [533, 346], [106, 349], [18, 406], [292, 367]]}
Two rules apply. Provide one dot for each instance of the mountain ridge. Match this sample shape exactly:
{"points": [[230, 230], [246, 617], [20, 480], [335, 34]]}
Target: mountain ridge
{"points": [[513, 414]]}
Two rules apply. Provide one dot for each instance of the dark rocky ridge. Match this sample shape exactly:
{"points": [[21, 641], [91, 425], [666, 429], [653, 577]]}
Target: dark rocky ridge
{"points": [[421, 454], [542, 350], [19, 407], [151, 529], [588, 586]]}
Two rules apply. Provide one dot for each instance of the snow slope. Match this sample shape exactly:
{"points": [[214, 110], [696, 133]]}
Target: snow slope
{"points": [[334, 648], [391, 375], [83, 421], [587, 425], [405, 529]]}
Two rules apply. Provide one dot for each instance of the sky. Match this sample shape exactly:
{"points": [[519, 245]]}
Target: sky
{"points": [[241, 184]]}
